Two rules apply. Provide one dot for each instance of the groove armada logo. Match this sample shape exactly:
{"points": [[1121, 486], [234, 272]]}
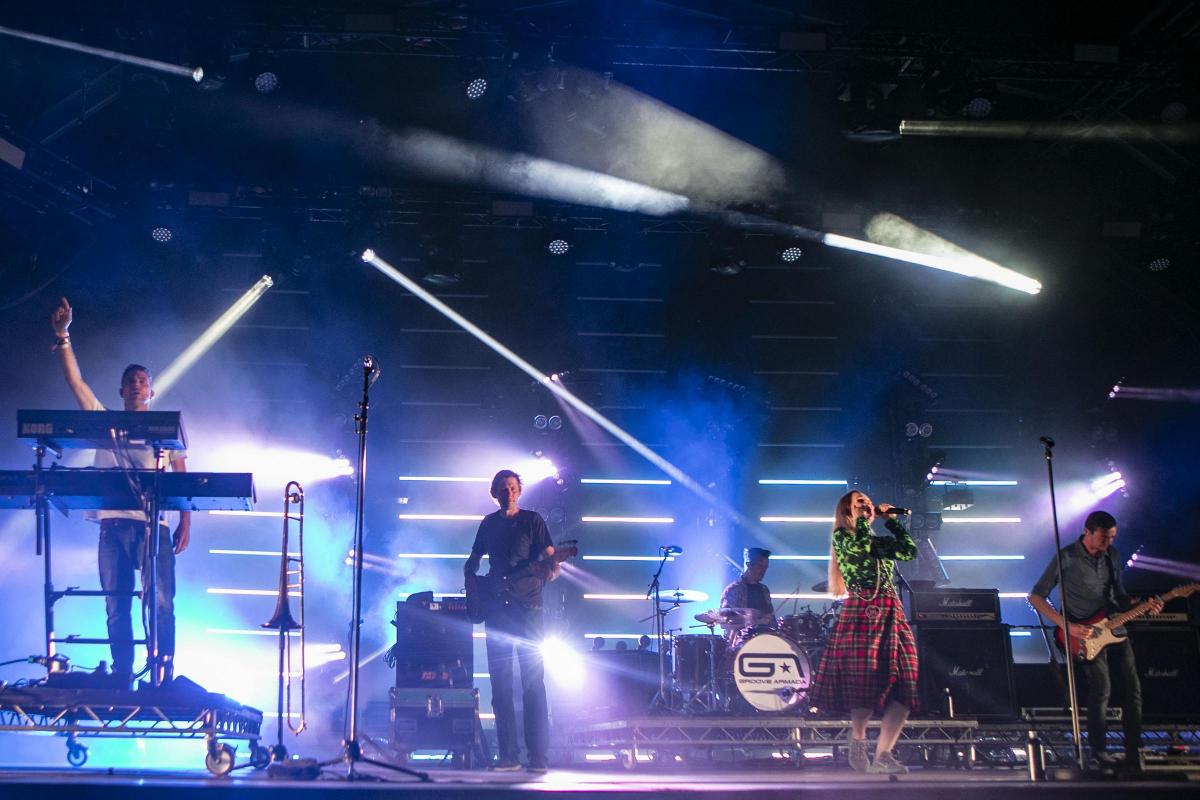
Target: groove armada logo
{"points": [[770, 673], [763, 666]]}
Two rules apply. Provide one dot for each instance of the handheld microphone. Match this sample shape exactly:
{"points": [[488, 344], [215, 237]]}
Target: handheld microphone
{"points": [[1047, 440], [893, 511], [672, 550]]}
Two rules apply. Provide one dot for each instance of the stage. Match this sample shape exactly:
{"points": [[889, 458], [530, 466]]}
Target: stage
{"points": [[609, 782]]}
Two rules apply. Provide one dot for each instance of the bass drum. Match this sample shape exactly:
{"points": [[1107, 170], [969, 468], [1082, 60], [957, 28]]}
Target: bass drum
{"points": [[771, 673]]}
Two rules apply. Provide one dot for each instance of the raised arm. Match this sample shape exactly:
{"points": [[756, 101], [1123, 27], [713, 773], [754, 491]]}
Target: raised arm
{"points": [[60, 321]]}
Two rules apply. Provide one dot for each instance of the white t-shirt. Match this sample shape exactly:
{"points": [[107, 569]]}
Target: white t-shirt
{"points": [[138, 456]]}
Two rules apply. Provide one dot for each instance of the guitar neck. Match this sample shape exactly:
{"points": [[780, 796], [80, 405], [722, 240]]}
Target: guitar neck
{"points": [[1140, 609]]}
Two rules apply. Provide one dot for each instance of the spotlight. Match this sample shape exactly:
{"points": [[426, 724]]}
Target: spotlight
{"points": [[933, 522], [910, 430], [977, 108], [540, 422], [266, 82], [555, 423], [917, 523], [558, 247], [1159, 264], [1173, 112], [791, 254], [161, 234], [926, 430], [368, 255], [477, 88]]}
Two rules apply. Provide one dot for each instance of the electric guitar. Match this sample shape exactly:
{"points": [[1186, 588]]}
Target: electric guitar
{"points": [[486, 592], [1102, 626]]}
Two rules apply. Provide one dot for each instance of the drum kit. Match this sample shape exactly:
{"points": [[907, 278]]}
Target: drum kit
{"points": [[756, 663]]}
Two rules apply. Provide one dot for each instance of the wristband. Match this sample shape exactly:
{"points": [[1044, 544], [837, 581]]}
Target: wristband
{"points": [[61, 342]]}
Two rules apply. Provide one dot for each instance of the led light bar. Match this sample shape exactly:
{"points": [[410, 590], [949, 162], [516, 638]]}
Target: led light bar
{"points": [[625, 558], [272, 553], [443, 517], [795, 519], [247, 513], [251, 592], [444, 479], [628, 481], [647, 520], [981, 558], [800, 482], [977, 520], [972, 483]]}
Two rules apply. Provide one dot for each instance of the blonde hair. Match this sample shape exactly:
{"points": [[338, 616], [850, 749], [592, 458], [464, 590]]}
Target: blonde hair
{"points": [[841, 519]]}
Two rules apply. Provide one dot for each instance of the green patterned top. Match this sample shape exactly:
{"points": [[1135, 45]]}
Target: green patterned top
{"points": [[859, 550]]}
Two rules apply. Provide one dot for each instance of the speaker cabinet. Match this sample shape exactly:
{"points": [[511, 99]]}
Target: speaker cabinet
{"points": [[971, 665], [434, 647], [1168, 666]]}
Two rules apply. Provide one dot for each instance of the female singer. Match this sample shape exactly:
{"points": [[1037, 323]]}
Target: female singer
{"points": [[870, 663]]}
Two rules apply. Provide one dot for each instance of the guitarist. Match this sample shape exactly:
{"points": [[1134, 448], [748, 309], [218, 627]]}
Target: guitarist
{"points": [[514, 539], [1092, 574]]}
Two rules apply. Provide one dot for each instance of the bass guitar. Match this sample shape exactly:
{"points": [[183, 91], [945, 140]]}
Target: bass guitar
{"points": [[486, 592], [1102, 626]]}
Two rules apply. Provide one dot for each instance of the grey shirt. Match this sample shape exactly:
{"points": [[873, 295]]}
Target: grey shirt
{"points": [[1093, 583]]}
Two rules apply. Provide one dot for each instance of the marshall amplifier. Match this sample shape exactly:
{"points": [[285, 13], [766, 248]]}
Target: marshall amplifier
{"points": [[1168, 666], [969, 666], [968, 606]]}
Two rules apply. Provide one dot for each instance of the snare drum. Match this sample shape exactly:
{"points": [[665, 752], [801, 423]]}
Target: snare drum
{"points": [[771, 673], [693, 667]]}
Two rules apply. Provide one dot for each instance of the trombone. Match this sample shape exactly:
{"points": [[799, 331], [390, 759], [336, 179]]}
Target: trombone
{"points": [[283, 621]]}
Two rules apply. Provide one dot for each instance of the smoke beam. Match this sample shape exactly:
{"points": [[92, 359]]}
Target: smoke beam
{"points": [[195, 73]]}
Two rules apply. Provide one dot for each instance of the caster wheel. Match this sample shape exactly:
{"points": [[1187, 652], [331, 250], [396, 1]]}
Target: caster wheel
{"points": [[77, 755], [261, 757], [219, 759]]}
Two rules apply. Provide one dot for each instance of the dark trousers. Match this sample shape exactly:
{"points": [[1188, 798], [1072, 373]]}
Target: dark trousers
{"points": [[516, 629], [1099, 687], [122, 551]]}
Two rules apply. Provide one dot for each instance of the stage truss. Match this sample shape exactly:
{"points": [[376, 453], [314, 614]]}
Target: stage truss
{"points": [[83, 713], [658, 738]]}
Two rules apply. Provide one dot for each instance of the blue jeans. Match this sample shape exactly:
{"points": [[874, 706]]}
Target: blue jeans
{"points": [[516, 628], [1096, 673], [123, 550]]}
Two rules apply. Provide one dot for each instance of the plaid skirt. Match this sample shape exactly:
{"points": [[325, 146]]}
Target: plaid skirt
{"points": [[871, 658]]}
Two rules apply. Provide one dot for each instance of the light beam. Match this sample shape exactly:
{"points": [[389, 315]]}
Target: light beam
{"points": [[195, 73], [211, 335]]}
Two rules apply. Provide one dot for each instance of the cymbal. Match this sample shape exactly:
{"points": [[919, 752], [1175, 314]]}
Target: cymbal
{"points": [[820, 586], [675, 598], [730, 617]]}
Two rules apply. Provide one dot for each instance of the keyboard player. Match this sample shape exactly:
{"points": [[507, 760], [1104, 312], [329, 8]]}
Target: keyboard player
{"points": [[123, 547]]}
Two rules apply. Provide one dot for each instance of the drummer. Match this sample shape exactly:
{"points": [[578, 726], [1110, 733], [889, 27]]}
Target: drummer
{"points": [[748, 592]]}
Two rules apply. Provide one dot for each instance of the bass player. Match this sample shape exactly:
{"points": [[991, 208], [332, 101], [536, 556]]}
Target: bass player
{"points": [[1092, 578], [514, 539]]}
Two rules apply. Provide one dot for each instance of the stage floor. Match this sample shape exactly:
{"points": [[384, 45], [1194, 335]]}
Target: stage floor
{"points": [[609, 782]]}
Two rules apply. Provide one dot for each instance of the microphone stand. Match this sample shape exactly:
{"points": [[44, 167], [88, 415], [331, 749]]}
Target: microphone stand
{"points": [[352, 753], [1048, 446], [653, 594]]}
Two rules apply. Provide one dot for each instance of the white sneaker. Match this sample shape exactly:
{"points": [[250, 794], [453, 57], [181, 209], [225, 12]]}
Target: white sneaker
{"points": [[858, 755], [887, 764]]}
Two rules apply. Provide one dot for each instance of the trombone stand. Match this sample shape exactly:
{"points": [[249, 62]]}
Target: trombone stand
{"points": [[352, 754]]}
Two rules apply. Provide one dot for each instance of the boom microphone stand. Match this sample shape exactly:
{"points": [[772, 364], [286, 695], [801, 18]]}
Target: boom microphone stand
{"points": [[351, 748], [1048, 445]]}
